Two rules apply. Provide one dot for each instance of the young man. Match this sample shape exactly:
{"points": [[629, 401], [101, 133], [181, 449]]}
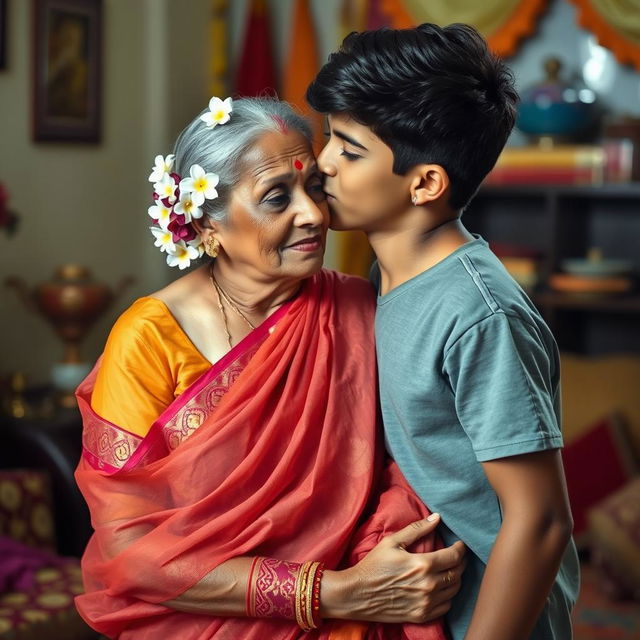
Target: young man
{"points": [[469, 372]]}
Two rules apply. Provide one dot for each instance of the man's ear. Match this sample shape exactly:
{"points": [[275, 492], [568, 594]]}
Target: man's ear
{"points": [[429, 183]]}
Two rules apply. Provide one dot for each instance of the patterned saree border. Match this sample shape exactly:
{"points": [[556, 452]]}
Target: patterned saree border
{"points": [[112, 449]]}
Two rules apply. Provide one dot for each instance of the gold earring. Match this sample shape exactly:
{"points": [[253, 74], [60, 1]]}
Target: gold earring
{"points": [[212, 247]]}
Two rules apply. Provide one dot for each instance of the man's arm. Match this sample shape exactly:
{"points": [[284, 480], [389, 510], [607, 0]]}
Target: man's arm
{"points": [[535, 530]]}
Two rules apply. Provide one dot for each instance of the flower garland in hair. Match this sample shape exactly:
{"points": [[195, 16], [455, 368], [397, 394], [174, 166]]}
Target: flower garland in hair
{"points": [[178, 201]]}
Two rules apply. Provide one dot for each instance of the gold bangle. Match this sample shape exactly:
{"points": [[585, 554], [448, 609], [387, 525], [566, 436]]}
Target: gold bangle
{"points": [[301, 596], [309, 594]]}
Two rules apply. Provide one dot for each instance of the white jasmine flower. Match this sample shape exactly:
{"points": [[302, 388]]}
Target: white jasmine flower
{"points": [[161, 214], [182, 255], [201, 185], [164, 239], [166, 188], [198, 245], [187, 207], [162, 165], [219, 112]]}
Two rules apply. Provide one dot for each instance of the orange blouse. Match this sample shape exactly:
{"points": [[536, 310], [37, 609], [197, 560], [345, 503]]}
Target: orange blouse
{"points": [[148, 361]]}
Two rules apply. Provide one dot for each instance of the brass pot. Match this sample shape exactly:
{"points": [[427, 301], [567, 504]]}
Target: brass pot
{"points": [[70, 302]]}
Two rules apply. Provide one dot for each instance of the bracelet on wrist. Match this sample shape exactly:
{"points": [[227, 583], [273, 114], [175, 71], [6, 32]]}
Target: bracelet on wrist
{"points": [[279, 589]]}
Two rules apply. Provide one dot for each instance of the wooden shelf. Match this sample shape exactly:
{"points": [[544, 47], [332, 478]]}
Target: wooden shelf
{"points": [[620, 190], [563, 221], [615, 303]]}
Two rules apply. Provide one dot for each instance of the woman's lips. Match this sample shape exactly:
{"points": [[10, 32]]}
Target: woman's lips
{"points": [[308, 244]]}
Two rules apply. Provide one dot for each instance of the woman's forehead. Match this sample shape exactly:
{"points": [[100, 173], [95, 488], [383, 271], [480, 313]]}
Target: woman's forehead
{"points": [[276, 150]]}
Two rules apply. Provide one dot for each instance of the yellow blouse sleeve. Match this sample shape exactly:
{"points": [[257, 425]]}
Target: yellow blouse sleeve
{"points": [[148, 361]]}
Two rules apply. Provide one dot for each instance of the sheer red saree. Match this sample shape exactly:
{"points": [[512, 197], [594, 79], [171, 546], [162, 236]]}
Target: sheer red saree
{"points": [[280, 460]]}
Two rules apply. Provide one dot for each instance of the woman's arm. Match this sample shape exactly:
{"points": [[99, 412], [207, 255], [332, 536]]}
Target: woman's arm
{"points": [[388, 585], [535, 530]]}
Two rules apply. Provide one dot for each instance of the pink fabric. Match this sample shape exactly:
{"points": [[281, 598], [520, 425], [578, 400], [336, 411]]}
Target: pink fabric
{"points": [[284, 467], [20, 563]]}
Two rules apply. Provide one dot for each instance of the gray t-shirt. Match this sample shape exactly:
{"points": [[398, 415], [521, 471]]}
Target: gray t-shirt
{"points": [[469, 372]]}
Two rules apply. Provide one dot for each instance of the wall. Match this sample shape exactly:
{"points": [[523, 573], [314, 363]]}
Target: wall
{"points": [[87, 203]]}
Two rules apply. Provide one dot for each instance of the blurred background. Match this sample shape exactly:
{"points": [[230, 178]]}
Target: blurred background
{"points": [[85, 202], [91, 91]]}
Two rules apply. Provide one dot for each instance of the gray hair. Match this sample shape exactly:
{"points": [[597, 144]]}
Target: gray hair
{"points": [[221, 149]]}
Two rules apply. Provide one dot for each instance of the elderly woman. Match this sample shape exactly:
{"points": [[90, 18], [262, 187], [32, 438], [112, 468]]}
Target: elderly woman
{"points": [[231, 453]]}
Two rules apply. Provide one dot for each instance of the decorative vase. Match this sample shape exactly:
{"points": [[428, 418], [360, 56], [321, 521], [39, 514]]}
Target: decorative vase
{"points": [[71, 303], [556, 111]]}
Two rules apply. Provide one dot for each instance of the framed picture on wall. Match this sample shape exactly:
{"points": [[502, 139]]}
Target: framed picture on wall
{"points": [[3, 34], [67, 70]]}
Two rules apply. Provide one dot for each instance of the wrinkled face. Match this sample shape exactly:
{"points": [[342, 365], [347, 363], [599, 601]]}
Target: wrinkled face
{"points": [[362, 190], [277, 217]]}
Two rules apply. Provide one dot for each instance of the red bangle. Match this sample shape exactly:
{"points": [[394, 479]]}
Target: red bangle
{"points": [[307, 602], [251, 589], [316, 619]]}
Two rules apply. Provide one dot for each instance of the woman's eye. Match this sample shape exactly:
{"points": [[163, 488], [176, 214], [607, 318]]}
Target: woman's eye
{"points": [[277, 201], [349, 156]]}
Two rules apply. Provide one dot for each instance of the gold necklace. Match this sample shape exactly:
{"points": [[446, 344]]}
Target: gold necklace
{"points": [[221, 295]]}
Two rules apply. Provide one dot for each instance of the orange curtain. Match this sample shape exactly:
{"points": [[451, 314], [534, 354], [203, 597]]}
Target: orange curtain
{"points": [[616, 25], [504, 23], [302, 65]]}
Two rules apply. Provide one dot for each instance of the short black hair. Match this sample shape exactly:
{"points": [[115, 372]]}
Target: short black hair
{"points": [[434, 95]]}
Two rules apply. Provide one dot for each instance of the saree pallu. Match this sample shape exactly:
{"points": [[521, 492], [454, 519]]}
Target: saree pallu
{"points": [[272, 452]]}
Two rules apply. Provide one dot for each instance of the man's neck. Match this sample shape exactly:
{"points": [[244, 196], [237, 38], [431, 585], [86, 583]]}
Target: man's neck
{"points": [[405, 253]]}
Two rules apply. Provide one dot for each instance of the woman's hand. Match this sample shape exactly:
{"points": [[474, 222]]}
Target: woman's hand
{"points": [[391, 584]]}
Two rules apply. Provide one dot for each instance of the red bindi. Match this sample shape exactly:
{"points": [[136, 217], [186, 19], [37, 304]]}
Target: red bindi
{"points": [[298, 165]]}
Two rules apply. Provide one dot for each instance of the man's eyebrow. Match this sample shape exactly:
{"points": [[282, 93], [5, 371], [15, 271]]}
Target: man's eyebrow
{"points": [[348, 139]]}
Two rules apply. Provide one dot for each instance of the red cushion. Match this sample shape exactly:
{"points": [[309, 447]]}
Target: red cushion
{"points": [[596, 464], [25, 507], [614, 537]]}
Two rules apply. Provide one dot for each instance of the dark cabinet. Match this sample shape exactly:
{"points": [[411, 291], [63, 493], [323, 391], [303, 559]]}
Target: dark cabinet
{"points": [[52, 444], [565, 222]]}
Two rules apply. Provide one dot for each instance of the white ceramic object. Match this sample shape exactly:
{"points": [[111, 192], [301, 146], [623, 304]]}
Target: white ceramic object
{"points": [[66, 376]]}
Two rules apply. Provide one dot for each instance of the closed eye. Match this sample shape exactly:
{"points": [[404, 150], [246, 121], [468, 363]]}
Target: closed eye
{"points": [[350, 156]]}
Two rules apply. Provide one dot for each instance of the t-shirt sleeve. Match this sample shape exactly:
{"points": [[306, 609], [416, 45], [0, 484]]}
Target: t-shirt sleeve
{"points": [[134, 384], [504, 380]]}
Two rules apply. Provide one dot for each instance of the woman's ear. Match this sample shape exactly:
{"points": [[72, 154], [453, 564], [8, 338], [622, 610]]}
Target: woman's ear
{"points": [[206, 228], [429, 183]]}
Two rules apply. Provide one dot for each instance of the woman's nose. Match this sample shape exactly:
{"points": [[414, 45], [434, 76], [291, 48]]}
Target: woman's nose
{"points": [[309, 214]]}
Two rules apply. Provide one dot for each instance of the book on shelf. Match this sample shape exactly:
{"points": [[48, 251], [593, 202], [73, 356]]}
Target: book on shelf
{"points": [[577, 155], [544, 175], [560, 164], [621, 158]]}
